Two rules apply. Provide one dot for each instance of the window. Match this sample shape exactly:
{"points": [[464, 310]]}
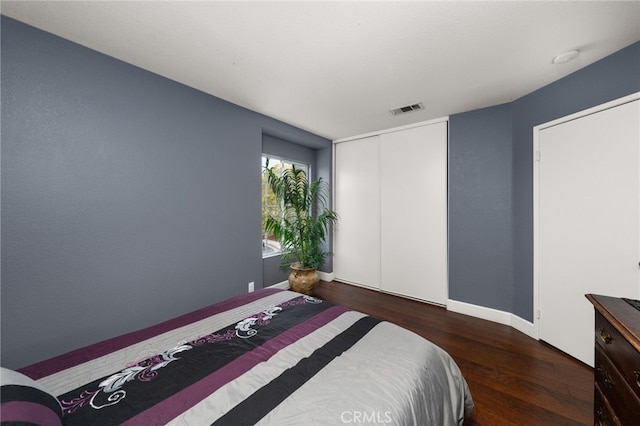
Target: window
{"points": [[270, 207]]}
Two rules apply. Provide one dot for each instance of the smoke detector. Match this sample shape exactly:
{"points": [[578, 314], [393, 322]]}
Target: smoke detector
{"points": [[406, 109], [564, 57]]}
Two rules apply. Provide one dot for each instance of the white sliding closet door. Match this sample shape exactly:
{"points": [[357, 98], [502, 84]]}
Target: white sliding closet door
{"points": [[413, 189], [588, 221], [357, 202]]}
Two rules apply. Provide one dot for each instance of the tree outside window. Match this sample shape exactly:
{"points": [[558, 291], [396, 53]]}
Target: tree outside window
{"points": [[270, 245]]}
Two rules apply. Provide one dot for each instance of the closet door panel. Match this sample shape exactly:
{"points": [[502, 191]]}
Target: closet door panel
{"points": [[414, 212], [357, 202]]}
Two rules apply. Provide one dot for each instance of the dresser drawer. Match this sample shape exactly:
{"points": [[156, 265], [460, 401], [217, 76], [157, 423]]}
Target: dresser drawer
{"points": [[621, 399], [620, 352], [602, 412]]}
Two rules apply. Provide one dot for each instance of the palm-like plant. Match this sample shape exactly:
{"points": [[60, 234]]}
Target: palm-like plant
{"points": [[305, 219]]}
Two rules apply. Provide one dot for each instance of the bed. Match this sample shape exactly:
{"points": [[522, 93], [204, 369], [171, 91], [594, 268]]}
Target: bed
{"points": [[271, 357]]}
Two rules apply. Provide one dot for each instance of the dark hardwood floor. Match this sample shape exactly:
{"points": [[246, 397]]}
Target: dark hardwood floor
{"points": [[514, 379]]}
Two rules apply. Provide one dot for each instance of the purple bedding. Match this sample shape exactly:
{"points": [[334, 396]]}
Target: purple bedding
{"points": [[268, 357]]}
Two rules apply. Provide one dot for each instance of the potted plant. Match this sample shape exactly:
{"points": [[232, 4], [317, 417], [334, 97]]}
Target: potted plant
{"points": [[302, 225]]}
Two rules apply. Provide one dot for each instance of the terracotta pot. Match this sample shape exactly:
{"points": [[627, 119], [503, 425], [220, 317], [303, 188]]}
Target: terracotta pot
{"points": [[303, 280]]}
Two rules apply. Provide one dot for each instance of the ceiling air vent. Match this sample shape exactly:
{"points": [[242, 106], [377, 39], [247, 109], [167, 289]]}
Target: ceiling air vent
{"points": [[408, 108]]}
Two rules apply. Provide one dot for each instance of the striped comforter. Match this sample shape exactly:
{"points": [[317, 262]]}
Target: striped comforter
{"points": [[271, 357]]}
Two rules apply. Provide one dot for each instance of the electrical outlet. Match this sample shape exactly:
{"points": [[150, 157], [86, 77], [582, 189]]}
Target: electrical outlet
{"points": [[251, 286]]}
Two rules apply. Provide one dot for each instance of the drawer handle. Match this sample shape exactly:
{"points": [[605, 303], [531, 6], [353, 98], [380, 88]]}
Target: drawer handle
{"points": [[637, 374], [603, 417], [605, 336], [606, 377]]}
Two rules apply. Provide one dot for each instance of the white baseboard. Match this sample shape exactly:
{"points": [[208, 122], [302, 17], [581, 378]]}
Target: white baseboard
{"points": [[493, 315], [476, 311], [327, 276], [284, 285], [524, 326]]}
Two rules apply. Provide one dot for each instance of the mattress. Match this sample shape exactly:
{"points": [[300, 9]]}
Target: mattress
{"points": [[271, 357]]}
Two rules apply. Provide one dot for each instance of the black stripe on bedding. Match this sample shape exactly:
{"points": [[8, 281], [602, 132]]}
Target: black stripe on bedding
{"points": [[29, 395], [260, 403], [28, 406]]}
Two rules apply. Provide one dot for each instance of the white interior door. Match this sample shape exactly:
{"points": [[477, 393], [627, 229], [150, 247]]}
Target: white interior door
{"points": [[588, 226], [414, 212], [357, 201]]}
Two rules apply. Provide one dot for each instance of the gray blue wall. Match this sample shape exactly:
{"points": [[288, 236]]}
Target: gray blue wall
{"points": [[127, 198], [480, 222], [491, 221]]}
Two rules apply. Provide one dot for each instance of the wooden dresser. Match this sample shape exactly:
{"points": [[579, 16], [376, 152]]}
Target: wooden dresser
{"points": [[617, 361]]}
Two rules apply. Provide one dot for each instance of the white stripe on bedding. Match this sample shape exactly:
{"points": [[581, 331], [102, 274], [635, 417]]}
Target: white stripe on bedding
{"points": [[214, 406], [66, 380], [416, 383]]}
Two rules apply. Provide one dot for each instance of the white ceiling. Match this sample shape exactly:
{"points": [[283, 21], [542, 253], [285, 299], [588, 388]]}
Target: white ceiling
{"points": [[336, 68]]}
